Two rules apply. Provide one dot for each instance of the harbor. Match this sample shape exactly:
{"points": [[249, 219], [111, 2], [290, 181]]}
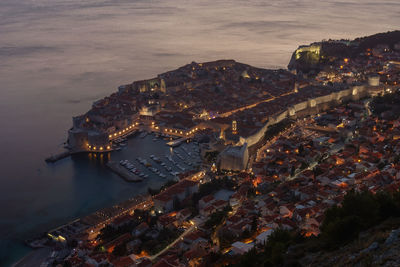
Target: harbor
{"points": [[167, 165]]}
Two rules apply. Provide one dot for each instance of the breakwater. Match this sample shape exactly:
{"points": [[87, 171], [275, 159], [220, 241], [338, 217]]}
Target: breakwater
{"points": [[122, 172], [58, 156]]}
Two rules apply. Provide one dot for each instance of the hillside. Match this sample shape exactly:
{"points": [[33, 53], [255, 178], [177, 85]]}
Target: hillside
{"points": [[378, 246], [364, 230]]}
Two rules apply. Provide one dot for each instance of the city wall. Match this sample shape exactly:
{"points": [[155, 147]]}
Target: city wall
{"points": [[311, 107]]}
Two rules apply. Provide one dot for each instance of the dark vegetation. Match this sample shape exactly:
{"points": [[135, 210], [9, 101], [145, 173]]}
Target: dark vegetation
{"points": [[217, 217], [166, 236], [271, 132], [211, 156], [359, 212], [213, 186], [154, 192], [387, 106]]}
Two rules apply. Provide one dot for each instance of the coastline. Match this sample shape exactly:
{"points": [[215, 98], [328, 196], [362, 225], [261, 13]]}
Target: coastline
{"points": [[37, 255], [33, 258], [131, 190]]}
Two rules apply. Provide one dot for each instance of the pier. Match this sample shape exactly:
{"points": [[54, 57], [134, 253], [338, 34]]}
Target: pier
{"points": [[58, 156], [177, 142], [124, 173]]}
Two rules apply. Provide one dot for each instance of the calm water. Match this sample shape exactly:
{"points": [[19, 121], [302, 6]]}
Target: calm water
{"points": [[58, 56]]}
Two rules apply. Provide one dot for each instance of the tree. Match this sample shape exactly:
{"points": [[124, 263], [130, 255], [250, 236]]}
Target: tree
{"points": [[301, 149], [176, 203], [292, 170], [254, 225], [120, 250]]}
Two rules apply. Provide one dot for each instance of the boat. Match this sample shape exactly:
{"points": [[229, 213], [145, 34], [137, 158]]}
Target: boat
{"points": [[143, 135], [157, 160]]}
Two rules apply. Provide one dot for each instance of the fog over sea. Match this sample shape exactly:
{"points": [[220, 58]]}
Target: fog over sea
{"points": [[58, 56]]}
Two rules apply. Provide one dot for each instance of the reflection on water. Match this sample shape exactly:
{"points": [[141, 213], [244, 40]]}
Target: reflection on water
{"points": [[99, 159]]}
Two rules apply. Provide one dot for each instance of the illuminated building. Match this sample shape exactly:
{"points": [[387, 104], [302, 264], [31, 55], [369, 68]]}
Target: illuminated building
{"points": [[234, 127]]}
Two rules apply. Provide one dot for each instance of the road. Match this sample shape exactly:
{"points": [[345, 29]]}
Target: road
{"points": [[188, 231], [229, 113], [332, 151]]}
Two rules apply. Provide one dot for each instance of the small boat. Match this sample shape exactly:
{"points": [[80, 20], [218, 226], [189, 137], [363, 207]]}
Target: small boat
{"points": [[143, 135], [157, 160]]}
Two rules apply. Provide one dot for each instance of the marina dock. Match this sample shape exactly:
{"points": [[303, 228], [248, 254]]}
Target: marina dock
{"points": [[124, 173]]}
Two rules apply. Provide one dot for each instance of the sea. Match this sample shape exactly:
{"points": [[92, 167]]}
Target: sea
{"points": [[58, 56]]}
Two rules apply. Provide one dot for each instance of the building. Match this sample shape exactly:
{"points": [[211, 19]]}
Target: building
{"points": [[234, 158], [241, 248], [152, 85], [164, 202]]}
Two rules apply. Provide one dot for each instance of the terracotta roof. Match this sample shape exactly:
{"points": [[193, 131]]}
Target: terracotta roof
{"points": [[207, 198], [174, 190]]}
